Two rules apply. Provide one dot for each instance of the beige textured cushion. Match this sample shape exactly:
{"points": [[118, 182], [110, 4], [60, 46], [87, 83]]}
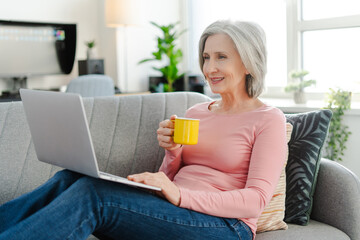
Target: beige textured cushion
{"points": [[272, 218]]}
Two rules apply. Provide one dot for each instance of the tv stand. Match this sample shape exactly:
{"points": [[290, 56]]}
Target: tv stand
{"points": [[13, 94]]}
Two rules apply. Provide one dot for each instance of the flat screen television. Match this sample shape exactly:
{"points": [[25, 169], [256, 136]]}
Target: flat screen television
{"points": [[36, 48]]}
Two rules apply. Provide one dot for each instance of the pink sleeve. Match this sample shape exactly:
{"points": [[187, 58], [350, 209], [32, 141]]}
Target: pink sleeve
{"points": [[267, 159], [172, 163]]}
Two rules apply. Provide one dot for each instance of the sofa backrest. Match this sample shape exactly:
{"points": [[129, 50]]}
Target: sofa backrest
{"points": [[123, 131]]}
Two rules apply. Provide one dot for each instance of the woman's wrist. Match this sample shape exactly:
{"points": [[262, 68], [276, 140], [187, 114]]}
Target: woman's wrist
{"points": [[176, 147]]}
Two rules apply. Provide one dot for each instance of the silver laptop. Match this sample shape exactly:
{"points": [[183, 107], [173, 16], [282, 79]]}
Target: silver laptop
{"points": [[61, 134]]}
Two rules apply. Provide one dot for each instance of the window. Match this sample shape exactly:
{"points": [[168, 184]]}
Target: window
{"points": [[271, 15], [323, 38], [333, 58]]}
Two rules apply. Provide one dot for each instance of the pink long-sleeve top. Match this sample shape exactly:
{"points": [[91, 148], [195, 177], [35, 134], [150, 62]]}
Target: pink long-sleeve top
{"points": [[233, 170]]}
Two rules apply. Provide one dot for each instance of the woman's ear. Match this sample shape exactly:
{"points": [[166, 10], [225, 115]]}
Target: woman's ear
{"points": [[247, 78]]}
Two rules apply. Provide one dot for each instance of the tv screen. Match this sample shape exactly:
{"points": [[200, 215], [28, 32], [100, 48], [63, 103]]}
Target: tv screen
{"points": [[33, 48]]}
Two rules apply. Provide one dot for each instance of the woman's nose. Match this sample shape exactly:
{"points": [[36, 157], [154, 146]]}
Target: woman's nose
{"points": [[210, 67]]}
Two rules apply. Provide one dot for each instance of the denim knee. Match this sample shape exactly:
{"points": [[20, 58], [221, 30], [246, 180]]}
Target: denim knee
{"points": [[86, 186], [85, 192]]}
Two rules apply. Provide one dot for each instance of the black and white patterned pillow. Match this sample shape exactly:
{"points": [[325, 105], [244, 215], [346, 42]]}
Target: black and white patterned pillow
{"points": [[308, 136]]}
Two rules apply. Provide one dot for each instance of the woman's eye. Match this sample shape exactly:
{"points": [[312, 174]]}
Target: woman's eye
{"points": [[222, 56], [206, 57]]}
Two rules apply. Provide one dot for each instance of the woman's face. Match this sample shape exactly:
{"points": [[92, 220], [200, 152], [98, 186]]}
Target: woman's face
{"points": [[223, 67]]}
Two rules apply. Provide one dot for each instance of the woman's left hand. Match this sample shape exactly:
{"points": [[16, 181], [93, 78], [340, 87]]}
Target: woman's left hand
{"points": [[168, 189]]}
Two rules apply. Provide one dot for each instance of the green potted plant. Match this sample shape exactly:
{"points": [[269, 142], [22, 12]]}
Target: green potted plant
{"points": [[338, 101], [90, 49], [167, 49], [297, 85]]}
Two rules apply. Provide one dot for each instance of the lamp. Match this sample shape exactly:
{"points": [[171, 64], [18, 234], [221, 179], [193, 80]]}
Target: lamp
{"points": [[121, 14]]}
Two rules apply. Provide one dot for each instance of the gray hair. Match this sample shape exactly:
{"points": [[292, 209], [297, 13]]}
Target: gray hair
{"points": [[249, 39]]}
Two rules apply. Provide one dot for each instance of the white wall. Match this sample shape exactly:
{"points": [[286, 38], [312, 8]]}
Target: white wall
{"points": [[89, 17], [352, 153], [140, 41]]}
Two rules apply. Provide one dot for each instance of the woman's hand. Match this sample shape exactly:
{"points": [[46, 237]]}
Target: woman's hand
{"points": [[165, 133], [168, 189]]}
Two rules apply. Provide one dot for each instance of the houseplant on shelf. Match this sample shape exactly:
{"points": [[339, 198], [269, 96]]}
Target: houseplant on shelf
{"points": [[297, 85], [338, 101], [90, 49], [168, 51]]}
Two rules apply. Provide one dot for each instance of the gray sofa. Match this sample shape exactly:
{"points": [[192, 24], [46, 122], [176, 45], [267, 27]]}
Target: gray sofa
{"points": [[124, 135]]}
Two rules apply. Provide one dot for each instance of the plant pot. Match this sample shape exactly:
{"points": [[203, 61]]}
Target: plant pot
{"points": [[299, 97], [90, 54]]}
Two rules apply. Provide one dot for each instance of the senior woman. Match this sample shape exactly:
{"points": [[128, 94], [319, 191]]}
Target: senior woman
{"points": [[216, 189]]}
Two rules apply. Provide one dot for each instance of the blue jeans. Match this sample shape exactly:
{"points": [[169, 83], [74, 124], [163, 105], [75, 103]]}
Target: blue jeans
{"points": [[73, 206]]}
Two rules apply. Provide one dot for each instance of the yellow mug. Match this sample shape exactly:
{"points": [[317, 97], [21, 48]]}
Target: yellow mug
{"points": [[186, 131]]}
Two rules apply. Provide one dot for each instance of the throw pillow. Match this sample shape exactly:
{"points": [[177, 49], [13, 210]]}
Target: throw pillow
{"points": [[272, 218], [307, 139]]}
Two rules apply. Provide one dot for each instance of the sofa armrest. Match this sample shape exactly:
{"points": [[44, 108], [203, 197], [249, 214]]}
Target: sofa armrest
{"points": [[337, 198]]}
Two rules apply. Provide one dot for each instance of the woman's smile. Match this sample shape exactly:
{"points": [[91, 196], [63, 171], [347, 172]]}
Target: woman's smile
{"points": [[216, 80]]}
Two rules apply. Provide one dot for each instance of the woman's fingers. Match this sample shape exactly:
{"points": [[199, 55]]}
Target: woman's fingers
{"points": [[166, 124], [152, 179], [168, 189], [165, 131], [165, 139]]}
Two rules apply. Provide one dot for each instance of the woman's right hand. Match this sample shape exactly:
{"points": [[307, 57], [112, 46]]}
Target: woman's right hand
{"points": [[165, 134]]}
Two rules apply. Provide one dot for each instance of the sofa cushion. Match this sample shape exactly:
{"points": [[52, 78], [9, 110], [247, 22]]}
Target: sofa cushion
{"points": [[307, 139], [272, 218], [314, 230]]}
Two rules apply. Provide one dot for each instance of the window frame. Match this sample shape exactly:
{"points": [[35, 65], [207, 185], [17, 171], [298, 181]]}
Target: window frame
{"points": [[296, 26]]}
